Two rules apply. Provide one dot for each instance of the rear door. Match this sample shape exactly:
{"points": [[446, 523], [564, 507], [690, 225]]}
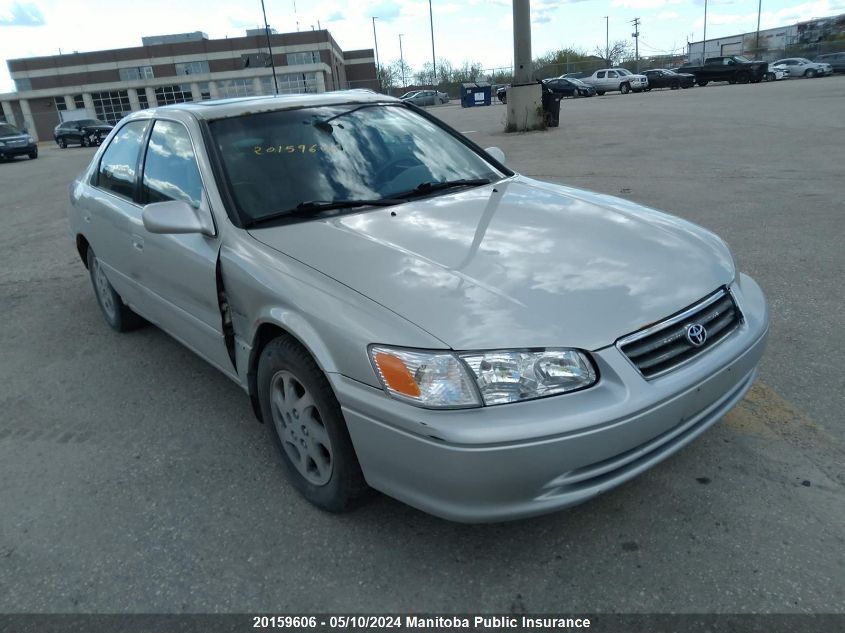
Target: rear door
{"points": [[110, 212]]}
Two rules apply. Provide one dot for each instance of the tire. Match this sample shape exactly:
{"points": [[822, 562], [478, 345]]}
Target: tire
{"points": [[310, 433], [62, 142], [703, 83], [600, 93], [770, 77], [116, 313], [742, 78], [624, 89], [504, 99], [810, 74], [33, 155], [85, 141]]}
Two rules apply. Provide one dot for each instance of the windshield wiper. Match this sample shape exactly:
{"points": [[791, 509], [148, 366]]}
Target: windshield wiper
{"points": [[310, 207], [429, 187]]}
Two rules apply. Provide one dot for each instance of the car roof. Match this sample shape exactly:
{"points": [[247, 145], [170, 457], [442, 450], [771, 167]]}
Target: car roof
{"points": [[237, 106]]}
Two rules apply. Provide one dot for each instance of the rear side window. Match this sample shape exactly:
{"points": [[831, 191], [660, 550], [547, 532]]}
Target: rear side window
{"points": [[118, 167], [170, 168]]}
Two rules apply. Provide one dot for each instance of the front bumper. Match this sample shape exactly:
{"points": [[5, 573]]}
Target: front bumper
{"points": [[518, 460], [10, 151]]}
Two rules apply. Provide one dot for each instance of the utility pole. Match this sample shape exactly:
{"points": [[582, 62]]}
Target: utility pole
{"points": [[525, 111], [270, 49], [607, 39], [375, 41], [757, 40], [636, 36], [704, 42], [402, 60], [433, 63]]}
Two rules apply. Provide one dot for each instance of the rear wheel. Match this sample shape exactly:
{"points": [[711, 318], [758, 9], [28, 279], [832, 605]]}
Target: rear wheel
{"points": [[302, 413], [116, 313], [600, 93]]}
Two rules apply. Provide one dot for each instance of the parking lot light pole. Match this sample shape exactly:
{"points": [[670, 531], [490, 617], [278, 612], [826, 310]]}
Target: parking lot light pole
{"points": [[607, 39], [636, 36], [402, 60], [433, 63], [375, 41], [757, 39], [704, 38]]}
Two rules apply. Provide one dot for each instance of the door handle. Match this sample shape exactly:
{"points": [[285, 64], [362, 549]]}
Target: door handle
{"points": [[137, 242]]}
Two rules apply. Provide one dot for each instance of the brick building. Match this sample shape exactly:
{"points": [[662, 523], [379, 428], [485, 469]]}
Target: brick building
{"points": [[176, 68]]}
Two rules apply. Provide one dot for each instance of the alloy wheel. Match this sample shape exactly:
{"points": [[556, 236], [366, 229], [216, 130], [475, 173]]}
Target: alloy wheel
{"points": [[300, 428]]}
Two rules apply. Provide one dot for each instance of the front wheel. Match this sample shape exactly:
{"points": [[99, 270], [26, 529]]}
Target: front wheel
{"points": [[600, 93], [624, 89], [742, 78], [299, 406], [33, 154], [770, 77], [62, 142], [810, 74], [703, 83]]}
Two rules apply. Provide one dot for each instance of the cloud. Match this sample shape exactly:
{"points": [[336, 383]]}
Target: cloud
{"points": [[337, 16], [643, 4], [21, 14], [386, 11]]}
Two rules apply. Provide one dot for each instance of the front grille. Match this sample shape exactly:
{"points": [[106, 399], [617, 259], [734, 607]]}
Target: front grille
{"points": [[665, 345]]}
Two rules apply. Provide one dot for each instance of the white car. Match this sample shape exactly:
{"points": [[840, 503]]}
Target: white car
{"points": [[612, 79], [802, 67], [776, 73]]}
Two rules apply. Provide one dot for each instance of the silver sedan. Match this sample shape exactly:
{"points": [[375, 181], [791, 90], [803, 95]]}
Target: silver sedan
{"points": [[405, 312]]}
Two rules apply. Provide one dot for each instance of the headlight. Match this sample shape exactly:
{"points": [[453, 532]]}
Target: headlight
{"points": [[2, 144], [460, 380], [29, 139], [510, 376]]}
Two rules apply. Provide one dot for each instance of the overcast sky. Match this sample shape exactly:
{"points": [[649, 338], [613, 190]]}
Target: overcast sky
{"points": [[468, 30]]}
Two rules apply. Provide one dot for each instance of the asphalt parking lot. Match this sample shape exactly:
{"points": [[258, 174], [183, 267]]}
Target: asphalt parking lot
{"points": [[134, 478]]}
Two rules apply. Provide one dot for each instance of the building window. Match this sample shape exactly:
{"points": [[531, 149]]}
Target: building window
{"points": [[173, 94], [256, 60], [308, 57], [294, 83], [205, 91], [142, 100], [111, 106], [236, 88], [60, 103], [192, 68], [79, 102], [22, 85], [134, 74]]}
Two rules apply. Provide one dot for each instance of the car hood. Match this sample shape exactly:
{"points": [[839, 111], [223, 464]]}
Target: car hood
{"points": [[517, 264], [14, 137], [98, 128]]}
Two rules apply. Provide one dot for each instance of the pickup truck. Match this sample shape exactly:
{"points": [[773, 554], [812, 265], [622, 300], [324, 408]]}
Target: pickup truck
{"points": [[612, 79], [733, 68]]}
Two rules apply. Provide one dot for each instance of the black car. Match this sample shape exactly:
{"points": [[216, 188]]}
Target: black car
{"points": [[85, 132], [15, 142], [569, 87], [665, 78]]}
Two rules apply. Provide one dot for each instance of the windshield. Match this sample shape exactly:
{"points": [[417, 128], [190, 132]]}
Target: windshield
{"points": [[277, 161], [577, 82], [8, 130], [740, 58], [622, 71]]}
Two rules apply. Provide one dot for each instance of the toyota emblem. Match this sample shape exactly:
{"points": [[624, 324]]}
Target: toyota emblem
{"points": [[696, 334]]}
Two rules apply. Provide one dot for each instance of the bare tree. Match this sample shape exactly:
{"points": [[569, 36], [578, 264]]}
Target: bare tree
{"points": [[619, 51]]}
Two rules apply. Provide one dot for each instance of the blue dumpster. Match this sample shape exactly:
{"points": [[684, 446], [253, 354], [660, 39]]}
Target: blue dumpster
{"points": [[475, 94]]}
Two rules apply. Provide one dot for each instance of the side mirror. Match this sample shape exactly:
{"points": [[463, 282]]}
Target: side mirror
{"points": [[496, 154], [175, 217]]}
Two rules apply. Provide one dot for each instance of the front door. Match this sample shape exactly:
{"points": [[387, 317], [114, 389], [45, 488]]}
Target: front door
{"points": [[178, 272]]}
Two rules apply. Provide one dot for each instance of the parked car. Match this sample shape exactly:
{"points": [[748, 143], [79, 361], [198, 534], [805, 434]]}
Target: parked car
{"points": [[665, 78], [502, 93], [16, 142], [85, 132], [408, 95], [731, 68], [802, 67], [428, 97], [836, 61], [776, 73], [407, 313], [612, 79], [569, 87]]}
